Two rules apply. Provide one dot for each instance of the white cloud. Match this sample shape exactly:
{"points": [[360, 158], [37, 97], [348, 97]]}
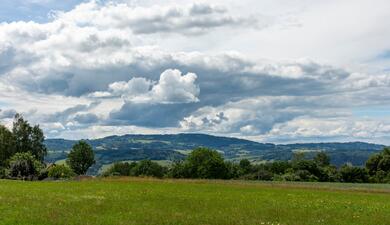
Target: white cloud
{"points": [[187, 19], [172, 87]]}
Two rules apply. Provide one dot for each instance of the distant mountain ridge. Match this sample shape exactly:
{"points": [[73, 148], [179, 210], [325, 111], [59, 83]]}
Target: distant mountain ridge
{"points": [[171, 147]]}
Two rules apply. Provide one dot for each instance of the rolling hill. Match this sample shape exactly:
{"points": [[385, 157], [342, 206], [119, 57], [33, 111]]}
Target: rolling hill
{"points": [[175, 147]]}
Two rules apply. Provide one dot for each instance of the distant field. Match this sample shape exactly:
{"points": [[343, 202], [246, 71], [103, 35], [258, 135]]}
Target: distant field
{"points": [[149, 201]]}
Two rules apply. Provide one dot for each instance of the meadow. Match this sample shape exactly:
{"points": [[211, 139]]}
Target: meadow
{"points": [[152, 201]]}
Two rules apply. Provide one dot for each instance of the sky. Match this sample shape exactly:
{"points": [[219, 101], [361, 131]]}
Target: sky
{"points": [[281, 71]]}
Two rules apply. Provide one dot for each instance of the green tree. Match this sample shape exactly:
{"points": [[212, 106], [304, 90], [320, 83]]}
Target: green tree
{"points": [[24, 165], [28, 138], [120, 169], [81, 157], [179, 169], [353, 174], [149, 168], [378, 166], [6, 145], [207, 164], [245, 166]]}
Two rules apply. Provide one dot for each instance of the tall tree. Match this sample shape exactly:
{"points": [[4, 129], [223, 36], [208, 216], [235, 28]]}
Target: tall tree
{"points": [[81, 157], [28, 138], [6, 145]]}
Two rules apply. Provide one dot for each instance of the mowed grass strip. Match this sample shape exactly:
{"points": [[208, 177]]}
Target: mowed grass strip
{"points": [[150, 201]]}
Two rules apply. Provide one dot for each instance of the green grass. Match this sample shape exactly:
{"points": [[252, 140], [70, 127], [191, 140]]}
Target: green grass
{"points": [[149, 201]]}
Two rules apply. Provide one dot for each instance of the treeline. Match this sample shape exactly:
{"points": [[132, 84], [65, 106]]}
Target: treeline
{"points": [[22, 153], [204, 163]]}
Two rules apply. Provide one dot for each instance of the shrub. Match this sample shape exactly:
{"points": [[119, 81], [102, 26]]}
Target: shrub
{"points": [[149, 169], [3, 173], [24, 166], [120, 169], [206, 164], [352, 174], [60, 172]]}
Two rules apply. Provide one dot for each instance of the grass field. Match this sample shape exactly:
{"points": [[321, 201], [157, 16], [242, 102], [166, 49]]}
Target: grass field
{"points": [[149, 201]]}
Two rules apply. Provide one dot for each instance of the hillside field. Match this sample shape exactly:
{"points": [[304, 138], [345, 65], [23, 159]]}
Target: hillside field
{"points": [[151, 201]]}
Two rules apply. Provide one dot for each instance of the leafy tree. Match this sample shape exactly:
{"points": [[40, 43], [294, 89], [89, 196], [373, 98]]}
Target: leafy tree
{"points": [[207, 164], [120, 169], [245, 166], [179, 169], [148, 168], [278, 167], [24, 165], [81, 157], [60, 172], [6, 145], [353, 174], [307, 165], [378, 166], [233, 170], [263, 174], [329, 174], [373, 162], [28, 139]]}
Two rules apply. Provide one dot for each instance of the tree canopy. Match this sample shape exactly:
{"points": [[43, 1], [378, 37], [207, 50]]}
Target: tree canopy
{"points": [[81, 157]]}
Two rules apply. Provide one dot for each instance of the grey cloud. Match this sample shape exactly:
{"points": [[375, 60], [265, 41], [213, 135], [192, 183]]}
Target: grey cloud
{"points": [[151, 115], [88, 118], [101, 49], [65, 115], [7, 113]]}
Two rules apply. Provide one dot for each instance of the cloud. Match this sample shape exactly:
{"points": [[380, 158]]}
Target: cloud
{"points": [[111, 65], [87, 118], [7, 113], [172, 87], [186, 19]]}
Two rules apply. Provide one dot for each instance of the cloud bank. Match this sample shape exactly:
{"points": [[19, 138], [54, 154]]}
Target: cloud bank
{"points": [[106, 68]]}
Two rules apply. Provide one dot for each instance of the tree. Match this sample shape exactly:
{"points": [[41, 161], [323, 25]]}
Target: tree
{"points": [[24, 165], [149, 168], [81, 157], [353, 174], [120, 169], [245, 166], [378, 166], [6, 145], [207, 164], [28, 139]]}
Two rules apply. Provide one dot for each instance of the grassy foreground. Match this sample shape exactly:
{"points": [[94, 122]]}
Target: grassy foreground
{"points": [[148, 201]]}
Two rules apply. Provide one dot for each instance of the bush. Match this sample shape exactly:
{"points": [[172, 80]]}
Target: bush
{"points": [[149, 169], [206, 164], [24, 166], [120, 169], [3, 173], [179, 170], [352, 174], [60, 172]]}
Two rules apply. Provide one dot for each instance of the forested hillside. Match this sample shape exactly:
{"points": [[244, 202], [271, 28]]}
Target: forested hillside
{"points": [[177, 146]]}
